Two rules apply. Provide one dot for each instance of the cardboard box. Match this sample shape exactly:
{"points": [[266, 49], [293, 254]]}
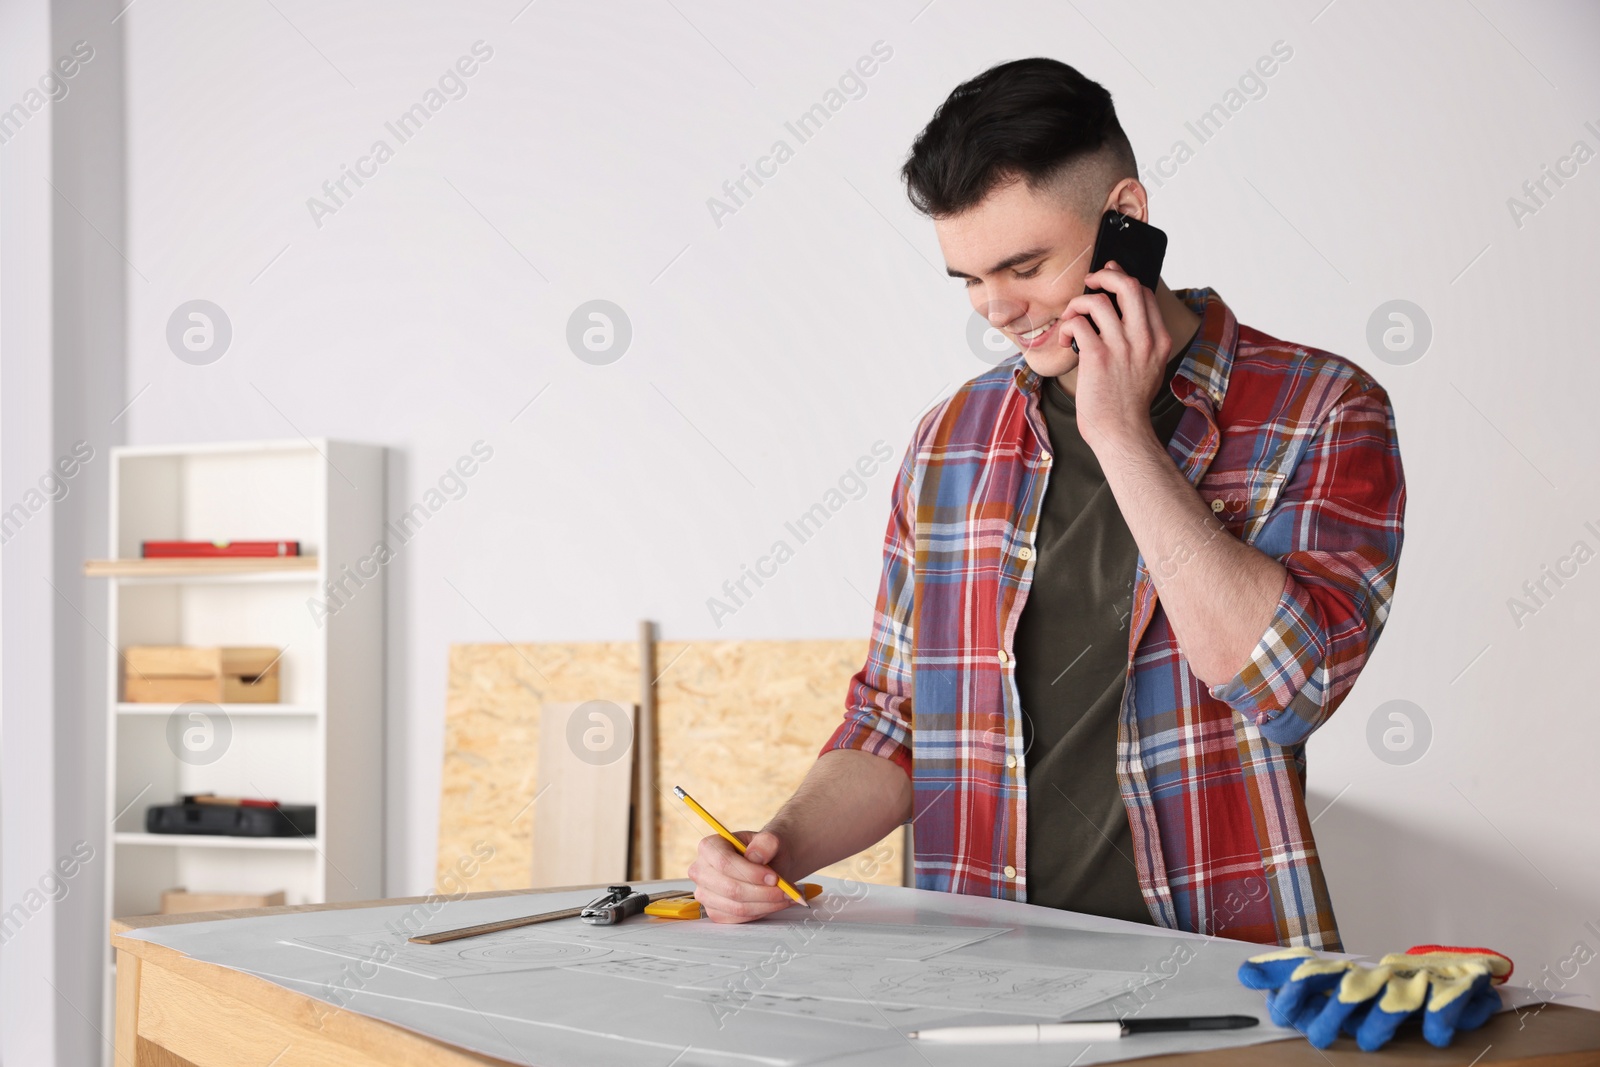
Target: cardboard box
{"points": [[180, 900], [172, 674]]}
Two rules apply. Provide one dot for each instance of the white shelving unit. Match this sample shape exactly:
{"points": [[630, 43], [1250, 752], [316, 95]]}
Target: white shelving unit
{"points": [[323, 744]]}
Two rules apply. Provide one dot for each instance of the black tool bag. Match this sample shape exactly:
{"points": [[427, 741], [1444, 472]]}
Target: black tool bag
{"points": [[228, 820]]}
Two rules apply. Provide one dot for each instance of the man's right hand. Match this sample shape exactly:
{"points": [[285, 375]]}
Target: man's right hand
{"points": [[849, 800], [734, 888]]}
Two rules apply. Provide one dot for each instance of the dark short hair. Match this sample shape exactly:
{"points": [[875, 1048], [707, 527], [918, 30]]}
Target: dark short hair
{"points": [[1029, 119]]}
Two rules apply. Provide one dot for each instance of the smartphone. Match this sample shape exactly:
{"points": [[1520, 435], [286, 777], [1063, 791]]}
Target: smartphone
{"points": [[1138, 248]]}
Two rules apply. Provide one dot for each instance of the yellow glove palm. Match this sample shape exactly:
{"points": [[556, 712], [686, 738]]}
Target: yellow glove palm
{"points": [[1320, 997]]}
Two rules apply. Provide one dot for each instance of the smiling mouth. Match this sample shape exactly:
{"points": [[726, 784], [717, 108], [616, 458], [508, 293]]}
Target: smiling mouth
{"points": [[1034, 333]]}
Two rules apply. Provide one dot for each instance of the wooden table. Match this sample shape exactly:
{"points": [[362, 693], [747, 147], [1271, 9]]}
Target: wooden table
{"points": [[173, 1011]]}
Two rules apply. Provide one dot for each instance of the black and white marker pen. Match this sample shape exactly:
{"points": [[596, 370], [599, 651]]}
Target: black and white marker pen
{"points": [[1077, 1033]]}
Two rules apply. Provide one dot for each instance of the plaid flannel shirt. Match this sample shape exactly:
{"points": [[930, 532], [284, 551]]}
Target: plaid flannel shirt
{"points": [[1295, 451]]}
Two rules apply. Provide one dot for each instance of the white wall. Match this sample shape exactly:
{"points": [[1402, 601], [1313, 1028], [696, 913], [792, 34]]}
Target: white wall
{"points": [[772, 350]]}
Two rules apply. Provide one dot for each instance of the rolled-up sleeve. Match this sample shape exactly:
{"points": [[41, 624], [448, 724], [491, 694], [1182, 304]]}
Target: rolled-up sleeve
{"points": [[878, 714], [1337, 528]]}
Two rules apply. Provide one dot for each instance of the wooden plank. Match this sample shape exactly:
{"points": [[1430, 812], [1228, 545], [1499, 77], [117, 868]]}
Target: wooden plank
{"points": [[153, 1055], [209, 1016], [137, 959], [492, 743], [646, 764], [126, 1033], [580, 823]]}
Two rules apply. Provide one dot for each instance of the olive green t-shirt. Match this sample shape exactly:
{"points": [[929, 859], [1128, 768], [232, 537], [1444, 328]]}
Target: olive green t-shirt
{"points": [[1072, 656]]}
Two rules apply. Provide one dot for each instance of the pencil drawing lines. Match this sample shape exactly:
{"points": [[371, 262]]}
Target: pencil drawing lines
{"points": [[980, 984], [537, 953]]}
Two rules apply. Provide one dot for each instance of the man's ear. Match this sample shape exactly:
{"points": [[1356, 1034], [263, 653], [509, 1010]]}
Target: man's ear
{"points": [[1129, 197]]}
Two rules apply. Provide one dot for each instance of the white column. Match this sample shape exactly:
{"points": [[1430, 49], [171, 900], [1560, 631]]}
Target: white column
{"points": [[62, 377]]}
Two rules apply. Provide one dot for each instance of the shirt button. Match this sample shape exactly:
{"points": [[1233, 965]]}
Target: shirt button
{"points": [[1011, 872], [1011, 761], [1004, 659], [1046, 457], [1025, 553], [1217, 505]]}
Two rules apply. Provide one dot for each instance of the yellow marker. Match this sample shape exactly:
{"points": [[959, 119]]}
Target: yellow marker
{"points": [[789, 891]]}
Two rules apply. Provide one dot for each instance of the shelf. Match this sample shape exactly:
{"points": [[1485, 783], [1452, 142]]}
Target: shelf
{"points": [[233, 711], [291, 844], [224, 568], [329, 496]]}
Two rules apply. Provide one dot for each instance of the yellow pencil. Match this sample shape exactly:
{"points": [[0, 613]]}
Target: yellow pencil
{"points": [[790, 891]]}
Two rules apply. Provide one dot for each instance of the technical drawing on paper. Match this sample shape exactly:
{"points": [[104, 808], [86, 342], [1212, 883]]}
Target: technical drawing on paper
{"points": [[663, 970], [974, 986], [982, 984], [809, 966], [855, 940], [386, 949], [510, 951], [532, 953], [725, 1002], [759, 995]]}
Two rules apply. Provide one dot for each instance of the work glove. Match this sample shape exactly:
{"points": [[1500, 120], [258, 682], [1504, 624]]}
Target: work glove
{"points": [[1451, 988]]}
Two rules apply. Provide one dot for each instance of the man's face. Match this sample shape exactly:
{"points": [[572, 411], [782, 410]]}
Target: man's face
{"points": [[1022, 256]]}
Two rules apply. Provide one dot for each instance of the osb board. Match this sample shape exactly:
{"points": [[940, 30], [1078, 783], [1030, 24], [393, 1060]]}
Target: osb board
{"points": [[739, 724], [491, 743]]}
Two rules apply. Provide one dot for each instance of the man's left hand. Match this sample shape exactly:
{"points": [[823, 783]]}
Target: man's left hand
{"points": [[1119, 368]]}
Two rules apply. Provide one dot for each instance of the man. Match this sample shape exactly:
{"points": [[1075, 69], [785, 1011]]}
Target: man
{"points": [[1120, 588]]}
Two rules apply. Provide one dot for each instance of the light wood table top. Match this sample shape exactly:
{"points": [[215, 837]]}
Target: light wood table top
{"points": [[174, 1011]]}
